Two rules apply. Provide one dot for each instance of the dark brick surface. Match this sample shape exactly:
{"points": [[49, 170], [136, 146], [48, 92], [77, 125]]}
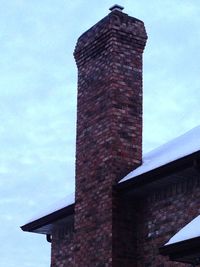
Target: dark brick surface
{"points": [[62, 251], [162, 214], [109, 129], [62, 247]]}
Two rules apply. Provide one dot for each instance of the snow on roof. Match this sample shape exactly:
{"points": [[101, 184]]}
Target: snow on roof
{"points": [[179, 147], [191, 230], [63, 203]]}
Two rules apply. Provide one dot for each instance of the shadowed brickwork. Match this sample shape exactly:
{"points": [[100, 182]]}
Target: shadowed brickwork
{"points": [[162, 213]]}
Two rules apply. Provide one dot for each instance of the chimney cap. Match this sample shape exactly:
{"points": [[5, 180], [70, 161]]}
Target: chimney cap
{"points": [[116, 7]]}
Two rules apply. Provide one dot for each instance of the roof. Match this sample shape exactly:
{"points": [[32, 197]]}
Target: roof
{"points": [[43, 221], [177, 148], [184, 246], [173, 151], [191, 230]]}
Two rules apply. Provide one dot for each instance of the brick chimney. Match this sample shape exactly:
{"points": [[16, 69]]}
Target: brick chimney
{"points": [[109, 128]]}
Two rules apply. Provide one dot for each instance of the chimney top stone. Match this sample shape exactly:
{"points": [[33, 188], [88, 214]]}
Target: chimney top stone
{"points": [[116, 7]]}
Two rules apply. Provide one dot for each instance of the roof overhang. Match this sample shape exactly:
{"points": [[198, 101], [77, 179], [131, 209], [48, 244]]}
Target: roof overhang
{"points": [[46, 224], [155, 176], [187, 251]]}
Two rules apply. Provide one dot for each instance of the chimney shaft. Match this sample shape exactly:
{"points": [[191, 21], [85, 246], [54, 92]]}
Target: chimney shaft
{"points": [[109, 127]]}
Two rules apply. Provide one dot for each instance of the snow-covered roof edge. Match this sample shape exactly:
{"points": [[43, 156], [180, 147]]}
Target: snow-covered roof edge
{"points": [[63, 203], [177, 148], [191, 230]]}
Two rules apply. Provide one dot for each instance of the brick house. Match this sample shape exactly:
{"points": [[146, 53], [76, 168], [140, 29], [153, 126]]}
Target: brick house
{"points": [[126, 205]]}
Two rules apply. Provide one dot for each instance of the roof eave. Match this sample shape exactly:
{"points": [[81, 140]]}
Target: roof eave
{"points": [[48, 220], [187, 251], [160, 172], [138, 181]]}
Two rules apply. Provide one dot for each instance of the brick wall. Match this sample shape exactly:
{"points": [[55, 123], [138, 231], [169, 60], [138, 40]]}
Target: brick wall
{"points": [[62, 244], [109, 128], [162, 213], [142, 224], [125, 231], [62, 251]]}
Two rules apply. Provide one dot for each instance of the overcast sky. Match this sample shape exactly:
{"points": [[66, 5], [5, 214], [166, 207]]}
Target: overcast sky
{"points": [[38, 100]]}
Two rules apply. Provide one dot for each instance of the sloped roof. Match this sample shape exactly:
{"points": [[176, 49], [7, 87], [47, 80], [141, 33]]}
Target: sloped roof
{"points": [[172, 151], [184, 246], [68, 200], [189, 231], [177, 148], [43, 222]]}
